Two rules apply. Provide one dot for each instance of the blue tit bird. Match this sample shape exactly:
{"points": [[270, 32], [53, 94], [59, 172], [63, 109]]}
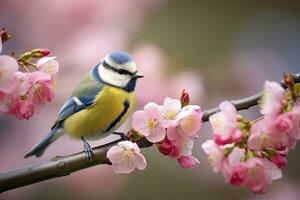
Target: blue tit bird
{"points": [[99, 104]]}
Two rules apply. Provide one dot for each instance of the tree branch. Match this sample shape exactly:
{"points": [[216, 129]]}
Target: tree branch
{"points": [[65, 165]]}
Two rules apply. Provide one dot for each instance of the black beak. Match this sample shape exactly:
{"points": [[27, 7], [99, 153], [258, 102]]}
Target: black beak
{"points": [[137, 75]]}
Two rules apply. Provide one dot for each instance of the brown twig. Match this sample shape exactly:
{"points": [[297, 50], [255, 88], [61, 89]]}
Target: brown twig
{"points": [[65, 165]]}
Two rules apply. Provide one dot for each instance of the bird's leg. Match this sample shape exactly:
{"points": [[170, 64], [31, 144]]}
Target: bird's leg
{"points": [[122, 135], [87, 150]]}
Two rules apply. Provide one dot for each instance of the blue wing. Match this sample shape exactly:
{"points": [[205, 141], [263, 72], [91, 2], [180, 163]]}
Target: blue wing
{"points": [[82, 97], [75, 104]]}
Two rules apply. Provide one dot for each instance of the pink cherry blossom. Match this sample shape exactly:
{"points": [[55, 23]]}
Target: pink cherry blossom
{"points": [[189, 121], [125, 157], [48, 65], [262, 136], [22, 109], [148, 123], [215, 155], [37, 87], [260, 173], [8, 65], [224, 124], [187, 162], [170, 110], [273, 99]]}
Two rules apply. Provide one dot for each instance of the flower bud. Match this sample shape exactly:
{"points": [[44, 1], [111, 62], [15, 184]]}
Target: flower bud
{"points": [[39, 53], [185, 98], [4, 35], [280, 161]]}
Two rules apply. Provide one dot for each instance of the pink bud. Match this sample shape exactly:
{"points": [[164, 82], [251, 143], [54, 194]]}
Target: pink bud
{"points": [[39, 53], [280, 161], [187, 162], [185, 98], [167, 148], [218, 140]]}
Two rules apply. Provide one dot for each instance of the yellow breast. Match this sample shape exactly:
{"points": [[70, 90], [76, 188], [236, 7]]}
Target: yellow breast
{"points": [[110, 110]]}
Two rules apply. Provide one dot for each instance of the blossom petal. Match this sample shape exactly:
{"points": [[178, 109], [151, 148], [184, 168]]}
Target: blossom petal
{"points": [[48, 65], [153, 111], [115, 154], [139, 122], [140, 161], [129, 145], [125, 166], [173, 105], [172, 133], [8, 65], [157, 135]]}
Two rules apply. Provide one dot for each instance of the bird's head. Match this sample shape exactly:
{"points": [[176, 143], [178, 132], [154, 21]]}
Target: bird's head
{"points": [[118, 69]]}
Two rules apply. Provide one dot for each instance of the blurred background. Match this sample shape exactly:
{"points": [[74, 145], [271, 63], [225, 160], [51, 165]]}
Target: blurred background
{"points": [[217, 50]]}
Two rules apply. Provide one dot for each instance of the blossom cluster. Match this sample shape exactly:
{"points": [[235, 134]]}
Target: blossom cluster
{"points": [[22, 90], [173, 127], [253, 153]]}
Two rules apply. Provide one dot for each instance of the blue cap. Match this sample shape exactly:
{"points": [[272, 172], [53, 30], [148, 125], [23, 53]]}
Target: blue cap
{"points": [[120, 57]]}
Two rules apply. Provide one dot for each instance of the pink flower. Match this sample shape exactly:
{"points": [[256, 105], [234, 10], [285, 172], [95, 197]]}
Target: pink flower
{"points": [[48, 65], [189, 121], [262, 136], [22, 109], [8, 65], [170, 110], [125, 157], [273, 99], [260, 173], [280, 161], [187, 162], [215, 155], [148, 123], [37, 87], [224, 124]]}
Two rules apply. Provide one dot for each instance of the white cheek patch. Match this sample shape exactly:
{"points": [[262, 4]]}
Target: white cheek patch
{"points": [[113, 78]]}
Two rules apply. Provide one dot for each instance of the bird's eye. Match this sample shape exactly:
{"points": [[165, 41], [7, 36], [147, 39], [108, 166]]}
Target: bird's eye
{"points": [[121, 71]]}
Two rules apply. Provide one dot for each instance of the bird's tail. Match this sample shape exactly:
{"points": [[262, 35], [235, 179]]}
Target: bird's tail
{"points": [[39, 149]]}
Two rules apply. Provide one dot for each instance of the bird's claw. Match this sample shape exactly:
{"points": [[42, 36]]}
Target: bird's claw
{"points": [[87, 150]]}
